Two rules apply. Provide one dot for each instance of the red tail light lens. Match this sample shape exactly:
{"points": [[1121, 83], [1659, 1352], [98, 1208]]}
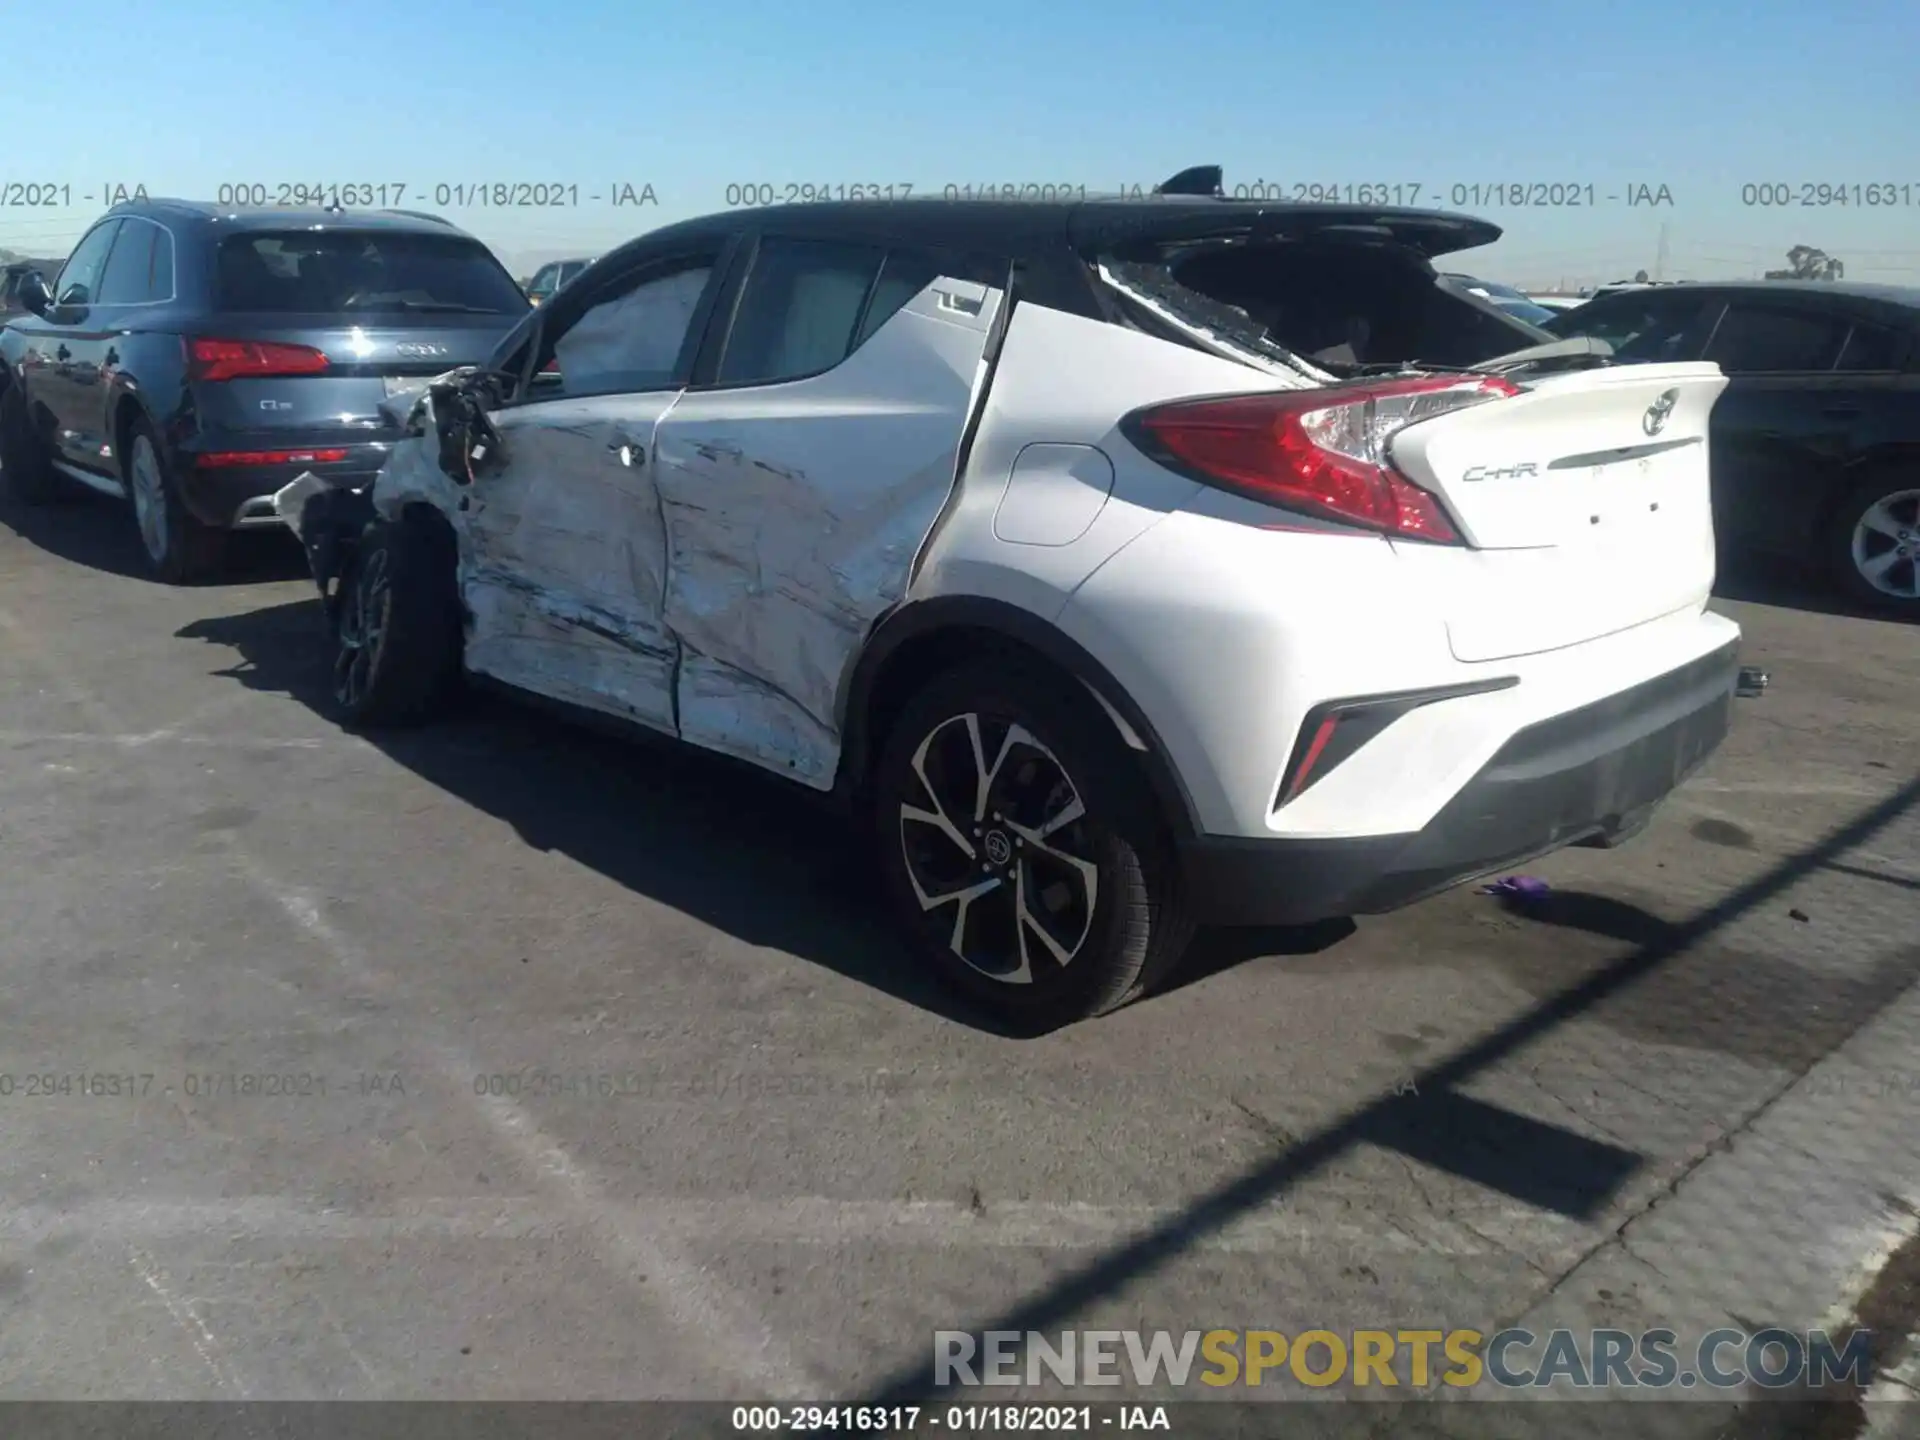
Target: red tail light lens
{"points": [[210, 360], [224, 458], [1320, 451]]}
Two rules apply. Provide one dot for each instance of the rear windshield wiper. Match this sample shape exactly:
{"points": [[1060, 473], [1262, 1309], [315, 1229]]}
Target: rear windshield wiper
{"points": [[1394, 367], [1577, 354]]}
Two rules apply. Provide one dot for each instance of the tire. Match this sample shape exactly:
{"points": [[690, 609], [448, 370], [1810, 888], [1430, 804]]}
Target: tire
{"points": [[404, 668], [1875, 537], [26, 468], [1124, 943], [180, 549]]}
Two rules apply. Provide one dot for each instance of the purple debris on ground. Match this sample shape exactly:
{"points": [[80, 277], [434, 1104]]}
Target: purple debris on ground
{"points": [[1519, 886]]}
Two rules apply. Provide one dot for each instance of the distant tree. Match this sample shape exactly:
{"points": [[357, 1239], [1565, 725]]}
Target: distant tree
{"points": [[1807, 263]]}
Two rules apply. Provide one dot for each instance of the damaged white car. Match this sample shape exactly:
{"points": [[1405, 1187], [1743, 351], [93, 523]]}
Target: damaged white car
{"points": [[1126, 566]]}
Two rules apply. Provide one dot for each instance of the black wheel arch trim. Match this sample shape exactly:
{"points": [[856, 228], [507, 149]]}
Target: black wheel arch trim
{"points": [[118, 396], [923, 618]]}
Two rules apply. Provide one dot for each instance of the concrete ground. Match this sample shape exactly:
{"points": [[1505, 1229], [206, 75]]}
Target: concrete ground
{"points": [[595, 1074]]}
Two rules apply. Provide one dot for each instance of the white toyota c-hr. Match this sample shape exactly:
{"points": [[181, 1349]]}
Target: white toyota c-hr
{"points": [[1128, 566]]}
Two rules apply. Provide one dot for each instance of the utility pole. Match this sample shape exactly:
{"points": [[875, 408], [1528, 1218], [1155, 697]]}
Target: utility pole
{"points": [[1660, 259]]}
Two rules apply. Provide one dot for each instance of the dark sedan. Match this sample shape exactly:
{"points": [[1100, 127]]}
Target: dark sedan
{"points": [[1816, 442]]}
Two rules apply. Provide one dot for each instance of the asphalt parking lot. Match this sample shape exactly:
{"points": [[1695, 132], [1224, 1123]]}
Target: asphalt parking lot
{"points": [[805, 1161]]}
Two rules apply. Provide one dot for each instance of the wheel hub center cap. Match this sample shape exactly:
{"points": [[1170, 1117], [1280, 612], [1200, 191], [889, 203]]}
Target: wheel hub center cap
{"points": [[999, 849]]}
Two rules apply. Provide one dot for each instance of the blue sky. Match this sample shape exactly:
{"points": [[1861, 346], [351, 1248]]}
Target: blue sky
{"points": [[1701, 99]]}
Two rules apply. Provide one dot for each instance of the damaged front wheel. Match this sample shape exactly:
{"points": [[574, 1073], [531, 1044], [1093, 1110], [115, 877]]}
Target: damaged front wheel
{"points": [[396, 630]]}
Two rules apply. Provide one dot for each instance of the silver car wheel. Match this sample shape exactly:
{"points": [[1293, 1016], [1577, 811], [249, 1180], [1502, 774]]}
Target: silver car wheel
{"points": [[149, 489], [997, 849], [1886, 545]]}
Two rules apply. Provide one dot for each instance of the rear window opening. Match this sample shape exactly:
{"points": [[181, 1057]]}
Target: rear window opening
{"points": [[314, 272], [1321, 309]]}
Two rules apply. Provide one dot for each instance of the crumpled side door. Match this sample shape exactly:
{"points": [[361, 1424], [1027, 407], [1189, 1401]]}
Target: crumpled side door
{"points": [[564, 564], [564, 550], [794, 512]]}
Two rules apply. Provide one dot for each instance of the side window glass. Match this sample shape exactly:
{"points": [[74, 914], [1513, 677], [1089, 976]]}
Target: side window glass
{"points": [[1869, 347], [127, 277], [80, 277], [632, 340], [1756, 338], [1639, 332], [905, 275], [798, 312], [160, 284], [545, 282]]}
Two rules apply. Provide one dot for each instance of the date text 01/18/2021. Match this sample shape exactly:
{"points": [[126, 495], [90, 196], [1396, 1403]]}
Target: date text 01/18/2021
{"points": [[902, 1420], [59, 194]]}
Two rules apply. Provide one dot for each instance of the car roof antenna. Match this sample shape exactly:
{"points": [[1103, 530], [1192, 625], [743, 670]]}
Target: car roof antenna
{"points": [[1196, 180]]}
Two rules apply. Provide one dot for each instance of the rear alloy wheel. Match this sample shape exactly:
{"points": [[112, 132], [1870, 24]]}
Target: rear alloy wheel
{"points": [[1021, 852], [179, 547], [1876, 540]]}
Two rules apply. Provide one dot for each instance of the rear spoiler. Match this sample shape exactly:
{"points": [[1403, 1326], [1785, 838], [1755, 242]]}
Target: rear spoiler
{"points": [[1195, 180]]}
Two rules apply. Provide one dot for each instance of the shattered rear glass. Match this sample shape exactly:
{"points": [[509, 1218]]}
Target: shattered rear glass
{"points": [[1225, 329]]}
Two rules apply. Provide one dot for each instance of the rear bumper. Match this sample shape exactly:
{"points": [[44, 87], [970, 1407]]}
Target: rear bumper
{"points": [[1589, 776], [240, 496]]}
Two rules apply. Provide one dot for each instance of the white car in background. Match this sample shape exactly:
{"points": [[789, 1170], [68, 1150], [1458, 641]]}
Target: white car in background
{"points": [[1516, 304], [1036, 534]]}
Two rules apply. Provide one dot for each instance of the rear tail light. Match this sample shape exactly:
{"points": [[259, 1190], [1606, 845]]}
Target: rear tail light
{"points": [[211, 360], [224, 459], [1323, 451]]}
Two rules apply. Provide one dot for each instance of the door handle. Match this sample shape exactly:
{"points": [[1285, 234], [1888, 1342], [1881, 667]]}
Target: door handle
{"points": [[1841, 412], [629, 453]]}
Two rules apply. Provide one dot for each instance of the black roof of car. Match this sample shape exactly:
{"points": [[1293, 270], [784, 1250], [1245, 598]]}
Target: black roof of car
{"points": [[1902, 295], [1017, 225], [269, 218]]}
